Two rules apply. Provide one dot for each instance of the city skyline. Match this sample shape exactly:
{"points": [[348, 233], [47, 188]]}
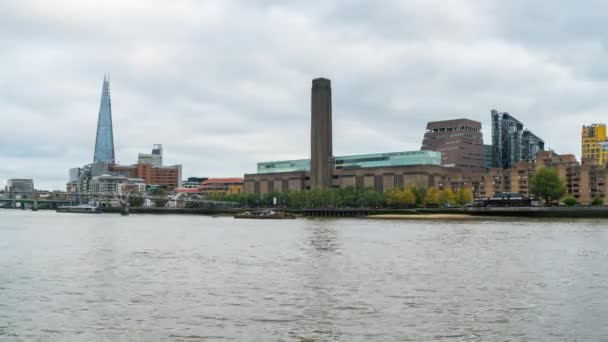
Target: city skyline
{"points": [[220, 109]]}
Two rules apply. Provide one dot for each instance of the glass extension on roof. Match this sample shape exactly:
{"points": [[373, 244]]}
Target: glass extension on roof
{"points": [[358, 161]]}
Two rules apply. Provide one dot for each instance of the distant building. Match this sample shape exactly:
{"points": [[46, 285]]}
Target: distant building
{"points": [[531, 145], [594, 144], [226, 186], [20, 186], [132, 184], [487, 156], [460, 142], [321, 150], [193, 182], [107, 184], [380, 171], [584, 181], [510, 142], [104, 140], [169, 176], [155, 158]]}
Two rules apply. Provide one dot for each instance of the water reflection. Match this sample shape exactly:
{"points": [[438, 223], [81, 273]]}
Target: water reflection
{"points": [[154, 278]]}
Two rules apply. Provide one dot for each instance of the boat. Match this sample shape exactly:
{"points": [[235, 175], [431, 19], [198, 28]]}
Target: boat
{"points": [[265, 215], [81, 208]]}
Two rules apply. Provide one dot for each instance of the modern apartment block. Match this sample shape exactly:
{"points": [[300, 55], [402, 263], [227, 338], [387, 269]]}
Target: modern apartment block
{"points": [[511, 142], [584, 180], [594, 144], [460, 142]]}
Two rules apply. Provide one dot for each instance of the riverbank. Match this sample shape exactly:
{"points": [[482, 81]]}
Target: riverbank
{"points": [[417, 213], [450, 217]]}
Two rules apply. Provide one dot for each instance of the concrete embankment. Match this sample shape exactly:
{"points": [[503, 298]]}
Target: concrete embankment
{"points": [[164, 211]]}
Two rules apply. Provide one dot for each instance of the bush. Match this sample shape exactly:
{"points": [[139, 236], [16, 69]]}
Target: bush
{"points": [[569, 201], [597, 200]]}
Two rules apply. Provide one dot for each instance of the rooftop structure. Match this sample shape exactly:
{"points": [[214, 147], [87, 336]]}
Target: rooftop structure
{"points": [[104, 140], [154, 158], [374, 160], [460, 141]]}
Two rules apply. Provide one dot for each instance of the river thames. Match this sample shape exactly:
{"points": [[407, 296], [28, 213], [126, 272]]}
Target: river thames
{"points": [[71, 277]]}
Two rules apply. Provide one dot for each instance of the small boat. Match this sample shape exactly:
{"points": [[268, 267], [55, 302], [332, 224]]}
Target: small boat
{"points": [[265, 215], [81, 208]]}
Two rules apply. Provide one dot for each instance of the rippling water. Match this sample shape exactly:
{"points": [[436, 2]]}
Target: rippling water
{"points": [[70, 277]]}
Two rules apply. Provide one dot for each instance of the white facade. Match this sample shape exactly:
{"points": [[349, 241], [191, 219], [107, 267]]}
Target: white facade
{"points": [[155, 158]]}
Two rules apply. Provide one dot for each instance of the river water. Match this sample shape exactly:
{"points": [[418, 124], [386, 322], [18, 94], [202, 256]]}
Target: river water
{"points": [[78, 277]]}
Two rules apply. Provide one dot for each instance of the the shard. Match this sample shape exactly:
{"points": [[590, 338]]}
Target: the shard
{"points": [[104, 140]]}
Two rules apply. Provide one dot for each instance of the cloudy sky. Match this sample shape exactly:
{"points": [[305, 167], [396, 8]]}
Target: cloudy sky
{"points": [[224, 84]]}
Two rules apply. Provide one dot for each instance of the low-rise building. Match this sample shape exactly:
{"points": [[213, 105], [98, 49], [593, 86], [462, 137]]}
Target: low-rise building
{"points": [[225, 186]]}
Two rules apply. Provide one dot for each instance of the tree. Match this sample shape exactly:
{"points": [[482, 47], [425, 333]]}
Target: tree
{"points": [[447, 197], [597, 200], [160, 198], [432, 197], [464, 196], [136, 199], [409, 198], [570, 201], [547, 185], [393, 198]]}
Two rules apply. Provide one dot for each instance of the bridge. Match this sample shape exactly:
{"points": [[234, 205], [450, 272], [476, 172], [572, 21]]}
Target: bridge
{"points": [[32, 200]]}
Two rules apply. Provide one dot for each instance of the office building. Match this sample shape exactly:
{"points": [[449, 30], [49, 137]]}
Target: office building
{"points": [[594, 144], [510, 142], [487, 156], [531, 145], [460, 142], [155, 158], [104, 139], [20, 186]]}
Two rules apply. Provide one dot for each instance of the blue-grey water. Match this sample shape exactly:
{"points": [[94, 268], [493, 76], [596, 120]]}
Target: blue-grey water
{"points": [[78, 277]]}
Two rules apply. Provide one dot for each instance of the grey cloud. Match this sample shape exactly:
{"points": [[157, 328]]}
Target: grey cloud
{"points": [[224, 84]]}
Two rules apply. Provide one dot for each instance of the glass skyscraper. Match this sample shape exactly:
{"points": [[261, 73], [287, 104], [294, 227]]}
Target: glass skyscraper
{"points": [[104, 141]]}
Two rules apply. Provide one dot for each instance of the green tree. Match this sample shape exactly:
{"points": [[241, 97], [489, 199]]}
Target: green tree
{"points": [[547, 185], [160, 198], [136, 199], [570, 201], [447, 197], [431, 198], [597, 200], [464, 196]]}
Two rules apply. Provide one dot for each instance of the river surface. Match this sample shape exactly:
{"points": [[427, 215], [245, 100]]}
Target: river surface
{"points": [[79, 277]]}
